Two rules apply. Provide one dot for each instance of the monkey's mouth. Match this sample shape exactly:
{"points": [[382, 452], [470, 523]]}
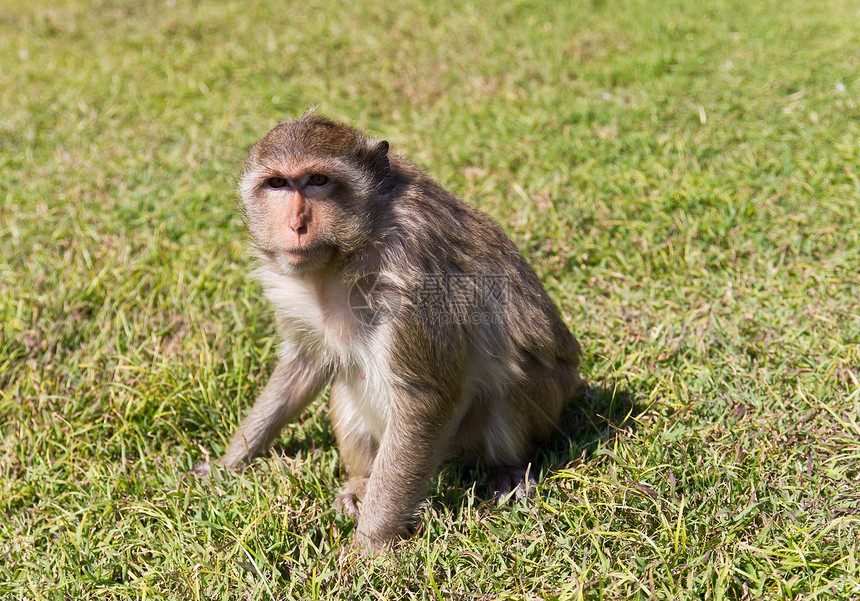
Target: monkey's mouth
{"points": [[298, 255], [291, 258]]}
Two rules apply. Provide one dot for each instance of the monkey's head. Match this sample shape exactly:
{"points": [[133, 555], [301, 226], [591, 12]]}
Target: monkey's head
{"points": [[310, 192]]}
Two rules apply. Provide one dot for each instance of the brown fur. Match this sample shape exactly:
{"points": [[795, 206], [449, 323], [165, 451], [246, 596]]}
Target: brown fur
{"points": [[428, 381]]}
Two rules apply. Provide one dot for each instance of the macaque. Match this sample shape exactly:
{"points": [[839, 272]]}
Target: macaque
{"points": [[437, 338]]}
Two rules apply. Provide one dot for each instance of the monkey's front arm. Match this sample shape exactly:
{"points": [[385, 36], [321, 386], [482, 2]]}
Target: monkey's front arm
{"points": [[295, 382], [409, 453]]}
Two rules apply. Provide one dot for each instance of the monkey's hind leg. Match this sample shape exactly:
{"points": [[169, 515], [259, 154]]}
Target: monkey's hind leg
{"points": [[532, 411], [357, 446]]}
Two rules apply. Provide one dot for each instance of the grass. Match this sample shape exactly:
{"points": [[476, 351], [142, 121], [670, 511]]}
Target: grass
{"points": [[683, 176]]}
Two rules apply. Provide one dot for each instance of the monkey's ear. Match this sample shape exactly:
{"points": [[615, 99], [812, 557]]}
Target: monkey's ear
{"points": [[379, 158], [381, 150]]}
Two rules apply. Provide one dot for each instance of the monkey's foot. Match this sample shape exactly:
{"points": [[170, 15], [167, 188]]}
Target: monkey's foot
{"points": [[347, 500], [347, 504], [507, 483]]}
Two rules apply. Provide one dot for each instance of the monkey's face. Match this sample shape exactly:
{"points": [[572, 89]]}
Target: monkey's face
{"points": [[303, 214], [310, 193]]}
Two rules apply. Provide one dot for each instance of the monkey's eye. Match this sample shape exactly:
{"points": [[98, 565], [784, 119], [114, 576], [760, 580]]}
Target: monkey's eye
{"points": [[276, 182], [317, 179]]}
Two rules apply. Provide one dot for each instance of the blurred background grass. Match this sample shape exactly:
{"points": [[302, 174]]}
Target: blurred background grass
{"points": [[682, 175]]}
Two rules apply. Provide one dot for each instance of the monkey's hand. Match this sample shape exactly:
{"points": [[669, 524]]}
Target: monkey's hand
{"points": [[201, 468]]}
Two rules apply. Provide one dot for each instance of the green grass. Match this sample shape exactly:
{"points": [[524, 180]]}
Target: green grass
{"points": [[682, 175]]}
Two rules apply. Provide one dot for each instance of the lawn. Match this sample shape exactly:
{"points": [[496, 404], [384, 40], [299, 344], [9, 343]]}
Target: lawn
{"points": [[683, 176]]}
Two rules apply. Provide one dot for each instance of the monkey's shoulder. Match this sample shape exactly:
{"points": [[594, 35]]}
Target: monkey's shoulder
{"points": [[434, 221]]}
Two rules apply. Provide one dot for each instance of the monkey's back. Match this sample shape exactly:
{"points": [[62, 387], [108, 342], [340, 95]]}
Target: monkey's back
{"points": [[520, 361]]}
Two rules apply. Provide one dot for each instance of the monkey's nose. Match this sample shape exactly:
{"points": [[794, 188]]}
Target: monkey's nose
{"points": [[300, 229], [298, 222], [299, 215]]}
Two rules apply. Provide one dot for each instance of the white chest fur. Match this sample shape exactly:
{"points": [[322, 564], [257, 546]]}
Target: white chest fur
{"points": [[363, 390], [313, 312], [314, 316]]}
